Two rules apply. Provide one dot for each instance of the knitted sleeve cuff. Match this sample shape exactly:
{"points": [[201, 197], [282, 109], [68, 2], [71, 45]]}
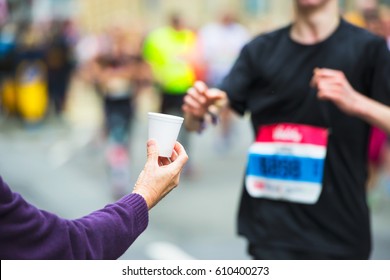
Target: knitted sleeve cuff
{"points": [[138, 204]]}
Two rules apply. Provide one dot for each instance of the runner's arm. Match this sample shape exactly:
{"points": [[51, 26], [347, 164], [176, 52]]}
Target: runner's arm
{"points": [[374, 112], [332, 85]]}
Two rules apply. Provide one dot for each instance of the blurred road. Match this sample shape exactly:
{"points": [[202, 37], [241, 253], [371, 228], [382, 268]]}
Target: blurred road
{"points": [[59, 167]]}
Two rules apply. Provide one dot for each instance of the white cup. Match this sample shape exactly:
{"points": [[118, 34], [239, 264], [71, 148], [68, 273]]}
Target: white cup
{"points": [[164, 129]]}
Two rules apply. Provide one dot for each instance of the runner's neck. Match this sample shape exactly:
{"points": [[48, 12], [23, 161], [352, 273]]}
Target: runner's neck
{"points": [[314, 25]]}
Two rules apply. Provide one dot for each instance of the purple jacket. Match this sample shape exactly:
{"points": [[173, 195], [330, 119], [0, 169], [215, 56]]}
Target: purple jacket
{"points": [[29, 233]]}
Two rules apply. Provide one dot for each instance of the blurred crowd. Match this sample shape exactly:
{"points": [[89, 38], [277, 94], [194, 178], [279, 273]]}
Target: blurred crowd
{"points": [[36, 63], [39, 60]]}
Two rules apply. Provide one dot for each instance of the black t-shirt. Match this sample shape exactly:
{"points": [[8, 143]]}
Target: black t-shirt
{"points": [[271, 80]]}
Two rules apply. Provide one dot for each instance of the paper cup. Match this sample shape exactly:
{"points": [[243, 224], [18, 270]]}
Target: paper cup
{"points": [[164, 129]]}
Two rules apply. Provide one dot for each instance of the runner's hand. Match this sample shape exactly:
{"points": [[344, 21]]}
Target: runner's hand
{"points": [[199, 98], [332, 85]]}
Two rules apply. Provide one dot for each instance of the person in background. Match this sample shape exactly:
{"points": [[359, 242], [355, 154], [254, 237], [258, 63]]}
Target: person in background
{"points": [[312, 101], [170, 52], [387, 28], [7, 69], [220, 43], [60, 66], [31, 83], [368, 16], [27, 232], [119, 74]]}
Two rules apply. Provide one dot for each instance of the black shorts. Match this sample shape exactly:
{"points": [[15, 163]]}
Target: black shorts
{"points": [[268, 253], [118, 114], [172, 103]]}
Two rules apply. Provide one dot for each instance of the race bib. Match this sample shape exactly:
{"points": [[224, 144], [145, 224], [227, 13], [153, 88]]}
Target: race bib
{"points": [[287, 163]]}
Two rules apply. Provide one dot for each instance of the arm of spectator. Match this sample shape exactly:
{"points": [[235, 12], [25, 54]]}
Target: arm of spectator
{"points": [[30, 233]]}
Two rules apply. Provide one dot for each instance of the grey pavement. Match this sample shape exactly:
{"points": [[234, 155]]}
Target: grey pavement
{"points": [[60, 168]]}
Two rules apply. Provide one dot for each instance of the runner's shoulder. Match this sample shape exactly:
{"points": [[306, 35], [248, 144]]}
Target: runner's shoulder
{"points": [[269, 38], [361, 34]]}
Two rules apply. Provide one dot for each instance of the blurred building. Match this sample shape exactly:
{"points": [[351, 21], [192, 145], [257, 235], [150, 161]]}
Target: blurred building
{"points": [[258, 15], [96, 15], [40, 10]]}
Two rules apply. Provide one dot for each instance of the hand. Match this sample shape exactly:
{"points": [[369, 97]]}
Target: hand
{"points": [[333, 85], [199, 98], [160, 175]]}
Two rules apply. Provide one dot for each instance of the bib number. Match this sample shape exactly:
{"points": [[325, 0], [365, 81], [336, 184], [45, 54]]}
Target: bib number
{"points": [[286, 163]]}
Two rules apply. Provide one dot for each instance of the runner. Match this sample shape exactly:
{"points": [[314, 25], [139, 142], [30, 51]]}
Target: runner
{"points": [[118, 77], [304, 193]]}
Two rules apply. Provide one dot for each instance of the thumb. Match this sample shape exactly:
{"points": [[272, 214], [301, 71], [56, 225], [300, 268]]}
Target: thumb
{"points": [[214, 94], [152, 151]]}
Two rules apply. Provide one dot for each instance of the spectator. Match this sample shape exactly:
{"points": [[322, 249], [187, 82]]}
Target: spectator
{"points": [[31, 233]]}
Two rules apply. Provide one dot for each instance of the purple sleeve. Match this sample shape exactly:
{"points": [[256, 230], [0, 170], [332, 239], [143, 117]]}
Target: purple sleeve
{"points": [[29, 233]]}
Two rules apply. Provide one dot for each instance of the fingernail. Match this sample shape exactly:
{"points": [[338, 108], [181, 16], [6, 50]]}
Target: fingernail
{"points": [[151, 142]]}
